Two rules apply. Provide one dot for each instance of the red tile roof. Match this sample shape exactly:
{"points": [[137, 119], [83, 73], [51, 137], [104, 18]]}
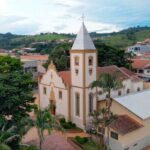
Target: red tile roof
{"points": [[140, 63], [125, 124], [66, 77], [123, 73], [35, 57], [112, 69]]}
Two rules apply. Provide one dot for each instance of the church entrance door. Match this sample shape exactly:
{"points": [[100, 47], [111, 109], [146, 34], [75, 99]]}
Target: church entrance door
{"points": [[52, 107]]}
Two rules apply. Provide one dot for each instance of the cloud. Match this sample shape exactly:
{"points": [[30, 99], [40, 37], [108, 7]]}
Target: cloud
{"points": [[17, 25], [60, 27], [64, 15]]}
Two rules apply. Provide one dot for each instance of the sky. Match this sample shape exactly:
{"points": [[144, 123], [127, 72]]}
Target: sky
{"points": [[64, 16]]}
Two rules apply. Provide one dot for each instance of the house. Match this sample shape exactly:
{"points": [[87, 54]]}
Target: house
{"points": [[34, 63], [69, 91], [142, 68], [130, 131], [140, 47]]}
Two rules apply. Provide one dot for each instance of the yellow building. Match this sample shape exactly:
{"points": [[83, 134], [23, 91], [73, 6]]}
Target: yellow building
{"points": [[131, 130]]}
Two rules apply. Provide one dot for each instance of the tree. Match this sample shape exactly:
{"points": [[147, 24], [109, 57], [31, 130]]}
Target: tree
{"points": [[108, 55], [16, 96], [101, 119], [108, 82], [45, 121], [60, 56], [7, 135]]}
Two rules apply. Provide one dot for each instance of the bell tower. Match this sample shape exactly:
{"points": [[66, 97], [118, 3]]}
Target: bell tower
{"points": [[83, 64]]}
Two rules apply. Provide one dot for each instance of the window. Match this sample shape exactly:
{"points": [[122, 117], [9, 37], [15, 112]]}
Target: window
{"points": [[141, 71], [60, 94], [138, 89], [76, 61], [114, 135], [135, 144], [128, 91], [90, 103], [148, 71], [90, 61], [34, 69], [90, 71], [76, 71], [77, 99], [119, 93], [107, 95], [100, 92], [44, 90]]}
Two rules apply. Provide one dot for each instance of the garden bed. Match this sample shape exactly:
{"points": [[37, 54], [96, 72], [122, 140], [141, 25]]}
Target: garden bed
{"points": [[69, 126], [84, 143]]}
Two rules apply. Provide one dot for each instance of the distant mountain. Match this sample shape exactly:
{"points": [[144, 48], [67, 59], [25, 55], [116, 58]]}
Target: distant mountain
{"points": [[120, 39]]}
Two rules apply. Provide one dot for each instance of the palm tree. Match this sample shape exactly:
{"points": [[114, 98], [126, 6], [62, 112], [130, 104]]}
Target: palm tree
{"points": [[7, 135], [108, 82], [44, 120]]}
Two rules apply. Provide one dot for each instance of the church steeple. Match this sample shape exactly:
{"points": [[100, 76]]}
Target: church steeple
{"points": [[83, 40]]}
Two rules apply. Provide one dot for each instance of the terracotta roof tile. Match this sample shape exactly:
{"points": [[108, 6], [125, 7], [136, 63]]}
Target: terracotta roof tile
{"points": [[123, 73], [140, 63], [112, 69], [125, 124], [66, 76]]}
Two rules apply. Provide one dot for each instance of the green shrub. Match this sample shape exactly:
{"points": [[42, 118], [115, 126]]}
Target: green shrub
{"points": [[32, 147], [4, 147], [81, 140], [62, 120], [66, 125]]}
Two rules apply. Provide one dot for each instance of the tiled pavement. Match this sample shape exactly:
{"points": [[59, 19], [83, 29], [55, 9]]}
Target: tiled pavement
{"points": [[56, 141]]}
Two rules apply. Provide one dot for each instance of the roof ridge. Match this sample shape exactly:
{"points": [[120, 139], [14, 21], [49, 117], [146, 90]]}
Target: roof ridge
{"points": [[124, 72]]}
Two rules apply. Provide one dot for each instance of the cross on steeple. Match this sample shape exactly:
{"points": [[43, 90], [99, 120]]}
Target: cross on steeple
{"points": [[83, 17]]}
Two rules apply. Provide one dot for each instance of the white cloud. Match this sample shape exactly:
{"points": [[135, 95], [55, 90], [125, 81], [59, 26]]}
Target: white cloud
{"points": [[63, 15]]}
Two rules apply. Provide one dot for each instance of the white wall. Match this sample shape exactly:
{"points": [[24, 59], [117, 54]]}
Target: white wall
{"points": [[52, 80], [89, 78], [77, 80], [77, 119], [127, 84]]}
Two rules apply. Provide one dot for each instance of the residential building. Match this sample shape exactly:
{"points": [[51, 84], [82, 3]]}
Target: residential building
{"points": [[130, 131], [142, 68], [34, 63]]}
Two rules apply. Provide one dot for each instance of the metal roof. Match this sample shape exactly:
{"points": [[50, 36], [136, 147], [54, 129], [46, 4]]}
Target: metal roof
{"points": [[138, 103], [83, 40]]}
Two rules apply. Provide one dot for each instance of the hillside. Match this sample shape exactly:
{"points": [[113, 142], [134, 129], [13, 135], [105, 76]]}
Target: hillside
{"points": [[120, 39], [125, 37]]}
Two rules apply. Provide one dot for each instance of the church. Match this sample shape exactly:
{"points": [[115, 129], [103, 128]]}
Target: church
{"points": [[69, 91]]}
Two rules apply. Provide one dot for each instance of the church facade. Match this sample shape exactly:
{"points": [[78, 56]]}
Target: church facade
{"points": [[70, 92]]}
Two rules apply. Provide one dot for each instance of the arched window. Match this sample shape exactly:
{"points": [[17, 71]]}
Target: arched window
{"points": [[138, 89], [128, 91], [90, 60], [44, 90], [119, 93], [77, 103], [76, 60], [90, 103], [90, 71]]}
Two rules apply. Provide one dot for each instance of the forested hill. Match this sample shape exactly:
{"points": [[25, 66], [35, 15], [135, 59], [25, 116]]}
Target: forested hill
{"points": [[120, 39]]}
